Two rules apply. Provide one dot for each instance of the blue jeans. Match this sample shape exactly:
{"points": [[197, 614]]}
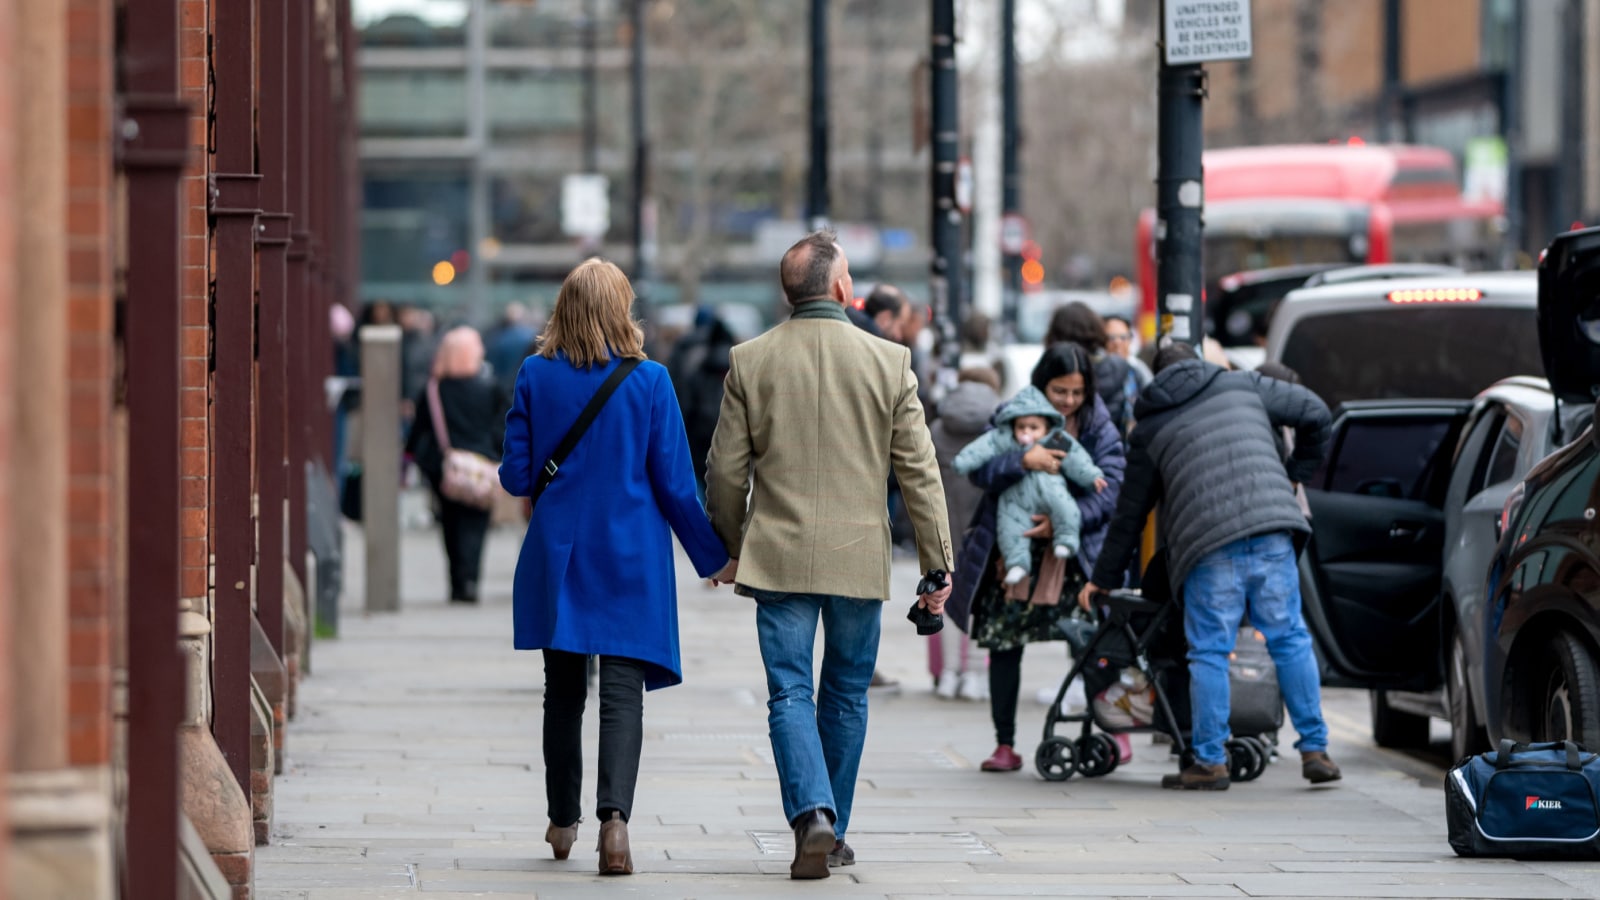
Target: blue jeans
{"points": [[817, 745], [1257, 575]]}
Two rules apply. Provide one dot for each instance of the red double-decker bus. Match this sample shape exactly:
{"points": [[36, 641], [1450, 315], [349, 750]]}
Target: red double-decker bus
{"points": [[1277, 206]]}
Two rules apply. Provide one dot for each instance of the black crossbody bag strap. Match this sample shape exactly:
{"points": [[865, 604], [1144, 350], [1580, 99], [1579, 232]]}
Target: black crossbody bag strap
{"points": [[585, 419]]}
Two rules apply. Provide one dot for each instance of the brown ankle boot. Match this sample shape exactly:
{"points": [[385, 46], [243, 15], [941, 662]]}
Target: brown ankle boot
{"points": [[561, 839], [1317, 768], [1198, 777], [615, 857]]}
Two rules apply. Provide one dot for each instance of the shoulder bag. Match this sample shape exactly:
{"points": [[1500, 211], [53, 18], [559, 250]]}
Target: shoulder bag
{"points": [[585, 419], [470, 479], [1526, 801]]}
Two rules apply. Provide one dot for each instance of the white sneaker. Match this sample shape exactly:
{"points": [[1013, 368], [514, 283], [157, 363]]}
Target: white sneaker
{"points": [[1015, 574], [1046, 696], [975, 686], [947, 684]]}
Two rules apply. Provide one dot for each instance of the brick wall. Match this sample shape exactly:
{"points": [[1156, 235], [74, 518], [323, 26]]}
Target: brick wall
{"points": [[1443, 40], [195, 314], [89, 324]]}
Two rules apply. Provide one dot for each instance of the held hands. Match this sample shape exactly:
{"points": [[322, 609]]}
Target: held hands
{"points": [[727, 574], [1040, 458], [1100, 485]]}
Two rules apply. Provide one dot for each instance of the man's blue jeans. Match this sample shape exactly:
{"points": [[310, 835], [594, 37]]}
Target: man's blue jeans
{"points": [[1254, 575], [817, 744]]}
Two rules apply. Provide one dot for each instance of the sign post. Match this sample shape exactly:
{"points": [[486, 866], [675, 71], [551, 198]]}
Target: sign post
{"points": [[1193, 32]]}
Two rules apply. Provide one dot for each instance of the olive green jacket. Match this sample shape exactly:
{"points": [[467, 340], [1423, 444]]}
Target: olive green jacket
{"points": [[815, 414]]}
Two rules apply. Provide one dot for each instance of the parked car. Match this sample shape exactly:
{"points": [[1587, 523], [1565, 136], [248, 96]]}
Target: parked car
{"points": [[1441, 337], [1421, 461], [1542, 622]]}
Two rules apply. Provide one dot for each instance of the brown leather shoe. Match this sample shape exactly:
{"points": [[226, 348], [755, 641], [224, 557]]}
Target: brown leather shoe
{"points": [[1198, 777], [1003, 759], [561, 839], [615, 857], [813, 840], [1317, 768], [841, 855]]}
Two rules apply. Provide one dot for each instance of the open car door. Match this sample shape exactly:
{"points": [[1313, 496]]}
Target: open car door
{"points": [[1370, 577]]}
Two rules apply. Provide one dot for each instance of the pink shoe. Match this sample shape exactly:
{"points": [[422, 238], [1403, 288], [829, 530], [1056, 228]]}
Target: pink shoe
{"points": [[1124, 748]]}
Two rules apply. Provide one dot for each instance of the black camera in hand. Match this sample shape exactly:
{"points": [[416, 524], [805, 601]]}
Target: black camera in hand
{"points": [[928, 622]]}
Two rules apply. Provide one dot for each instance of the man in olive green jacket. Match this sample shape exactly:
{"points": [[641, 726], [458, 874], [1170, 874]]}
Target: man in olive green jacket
{"points": [[815, 413]]}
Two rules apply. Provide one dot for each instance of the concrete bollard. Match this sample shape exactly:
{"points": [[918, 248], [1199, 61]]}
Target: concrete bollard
{"points": [[380, 464]]}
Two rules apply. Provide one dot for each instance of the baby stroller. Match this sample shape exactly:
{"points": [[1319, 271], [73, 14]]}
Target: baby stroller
{"points": [[1143, 633]]}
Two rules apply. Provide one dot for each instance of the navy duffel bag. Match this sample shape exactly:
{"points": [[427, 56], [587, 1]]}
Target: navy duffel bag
{"points": [[1526, 801]]}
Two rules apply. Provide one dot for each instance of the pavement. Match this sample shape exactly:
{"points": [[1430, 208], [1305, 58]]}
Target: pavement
{"points": [[413, 770]]}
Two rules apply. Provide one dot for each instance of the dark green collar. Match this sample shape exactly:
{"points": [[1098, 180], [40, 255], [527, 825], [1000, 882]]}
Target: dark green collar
{"points": [[820, 309]]}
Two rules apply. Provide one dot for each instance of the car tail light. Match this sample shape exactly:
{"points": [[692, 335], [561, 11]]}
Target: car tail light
{"points": [[1436, 295], [1509, 511]]}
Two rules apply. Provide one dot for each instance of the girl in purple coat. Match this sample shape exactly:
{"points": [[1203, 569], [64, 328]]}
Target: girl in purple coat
{"points": [[980, 602], [595, 576]]}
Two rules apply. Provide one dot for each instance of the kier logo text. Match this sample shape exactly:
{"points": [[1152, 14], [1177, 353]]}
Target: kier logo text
{"points": [[1536, 803]]}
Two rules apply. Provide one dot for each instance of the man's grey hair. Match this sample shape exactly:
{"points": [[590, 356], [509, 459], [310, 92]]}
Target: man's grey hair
{"points": [[807, 267]]}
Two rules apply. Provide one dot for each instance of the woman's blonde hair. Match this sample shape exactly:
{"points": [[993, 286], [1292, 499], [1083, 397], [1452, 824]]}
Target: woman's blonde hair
{"points": [[460, 354], [593, 317]]}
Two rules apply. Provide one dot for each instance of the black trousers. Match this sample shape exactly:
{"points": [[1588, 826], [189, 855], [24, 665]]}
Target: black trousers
{"points": [[566, 689], [465, 528], [1005, 681]]}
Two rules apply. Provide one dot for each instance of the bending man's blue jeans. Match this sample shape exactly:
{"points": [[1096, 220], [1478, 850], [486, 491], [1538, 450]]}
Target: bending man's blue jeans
{"points": [[1254, 575], [817, 743]]}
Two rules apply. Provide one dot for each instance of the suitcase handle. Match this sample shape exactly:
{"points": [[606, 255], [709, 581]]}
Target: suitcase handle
{"points": [[1509, 747]]}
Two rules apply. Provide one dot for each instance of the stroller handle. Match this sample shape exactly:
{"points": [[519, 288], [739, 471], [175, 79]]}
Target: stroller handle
{"points": [[1125, 602]]}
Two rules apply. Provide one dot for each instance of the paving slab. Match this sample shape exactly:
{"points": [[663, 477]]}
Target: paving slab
{"points": [[414, 770]]}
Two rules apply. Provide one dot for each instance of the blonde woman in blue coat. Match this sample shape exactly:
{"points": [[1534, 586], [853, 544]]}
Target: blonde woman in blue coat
{"points": [[596, 575]]}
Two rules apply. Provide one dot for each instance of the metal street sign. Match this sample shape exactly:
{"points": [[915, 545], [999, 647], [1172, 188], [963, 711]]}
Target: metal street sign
{"points": [[1013, 234], [1197, 31], [585, 206]]}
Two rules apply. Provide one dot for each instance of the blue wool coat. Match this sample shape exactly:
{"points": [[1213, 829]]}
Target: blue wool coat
{"points": [[596, 572]]}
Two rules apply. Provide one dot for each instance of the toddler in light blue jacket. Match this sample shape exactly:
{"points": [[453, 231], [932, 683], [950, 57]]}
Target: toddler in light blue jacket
{"points": [[1026, 420]]}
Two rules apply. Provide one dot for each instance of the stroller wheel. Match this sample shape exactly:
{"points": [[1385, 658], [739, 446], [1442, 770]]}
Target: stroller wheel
{"points": [[1263, 753], [1055, 759], [1244, 760], [1113, 751], [1097, 755]]}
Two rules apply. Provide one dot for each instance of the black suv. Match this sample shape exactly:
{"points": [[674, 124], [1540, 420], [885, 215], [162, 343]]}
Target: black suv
{"points": [[1542, 619]]}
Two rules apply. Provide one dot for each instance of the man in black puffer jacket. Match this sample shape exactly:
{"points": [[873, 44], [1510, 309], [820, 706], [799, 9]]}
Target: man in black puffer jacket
{"points": [[1204, 449]]}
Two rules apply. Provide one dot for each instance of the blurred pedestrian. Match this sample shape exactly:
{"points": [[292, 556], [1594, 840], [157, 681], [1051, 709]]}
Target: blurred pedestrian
{"points": [[698, 366], [596, 575], [418, 346], [1121, 341], [508, 344], [1204, 449], [814, 417], [958, 668], [459, 408], [885, 306], [1075, 322], [1005, 619]]}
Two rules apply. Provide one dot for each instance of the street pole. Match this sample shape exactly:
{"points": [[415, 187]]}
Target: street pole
{"points": [[1390, 97], [1511, 135], [591, 88], [641, 148], [1180, 199], [1010, 202], [817, 183], [947, 283]]}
